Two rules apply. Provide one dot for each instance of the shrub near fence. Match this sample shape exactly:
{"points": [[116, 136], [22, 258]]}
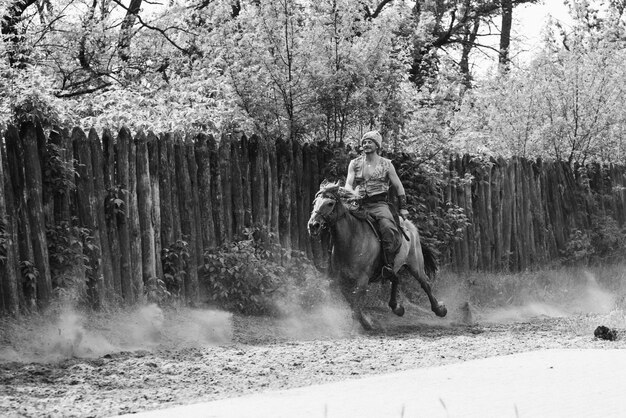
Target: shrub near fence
{"points": [[119, 212]]}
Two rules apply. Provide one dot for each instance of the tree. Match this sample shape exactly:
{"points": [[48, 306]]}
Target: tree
{"points": [[567, 105]]}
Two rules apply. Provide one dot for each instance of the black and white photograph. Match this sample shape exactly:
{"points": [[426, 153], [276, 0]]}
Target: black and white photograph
{"points": [[312, 208]]}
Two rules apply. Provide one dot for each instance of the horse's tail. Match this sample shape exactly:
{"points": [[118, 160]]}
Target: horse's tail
{"points": [[430, 262]]}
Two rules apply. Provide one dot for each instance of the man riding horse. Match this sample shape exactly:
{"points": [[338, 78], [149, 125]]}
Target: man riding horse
{"points": [[371, 175]]}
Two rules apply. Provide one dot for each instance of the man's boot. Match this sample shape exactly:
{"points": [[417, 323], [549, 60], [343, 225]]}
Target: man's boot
{"points": [[387, 272]]}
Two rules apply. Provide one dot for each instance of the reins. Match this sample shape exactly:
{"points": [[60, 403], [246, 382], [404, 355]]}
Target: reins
{"points": [[326, 216]]}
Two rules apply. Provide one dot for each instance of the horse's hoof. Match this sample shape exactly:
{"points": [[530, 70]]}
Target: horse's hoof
{"points": [[399, 310], [441, 310], [366, 322]]}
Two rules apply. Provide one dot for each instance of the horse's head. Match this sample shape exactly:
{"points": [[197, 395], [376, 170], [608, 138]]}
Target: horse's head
{"points": [[326, 207], [324, 213]]}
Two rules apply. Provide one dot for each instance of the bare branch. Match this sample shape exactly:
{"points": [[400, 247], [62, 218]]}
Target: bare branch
{"points": [[187, 51]]}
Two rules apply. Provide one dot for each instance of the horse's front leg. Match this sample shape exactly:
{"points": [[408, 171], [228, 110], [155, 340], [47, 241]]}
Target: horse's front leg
{"points": [[355, 295]]}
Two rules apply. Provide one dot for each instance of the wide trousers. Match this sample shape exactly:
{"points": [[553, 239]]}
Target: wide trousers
{"points": [[390, 234]]}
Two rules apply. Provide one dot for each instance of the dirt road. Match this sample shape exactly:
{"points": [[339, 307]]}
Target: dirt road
{"points": [[191, 356]]}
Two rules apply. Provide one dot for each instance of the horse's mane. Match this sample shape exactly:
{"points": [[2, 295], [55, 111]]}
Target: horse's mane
{"points": [[336, 190]]}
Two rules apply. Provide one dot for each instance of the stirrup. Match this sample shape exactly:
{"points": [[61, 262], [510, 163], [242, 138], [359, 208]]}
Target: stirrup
{"points": [[387, 272]]}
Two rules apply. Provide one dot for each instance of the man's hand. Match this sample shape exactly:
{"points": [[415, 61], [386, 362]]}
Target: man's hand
{"points": [[404, 213]]}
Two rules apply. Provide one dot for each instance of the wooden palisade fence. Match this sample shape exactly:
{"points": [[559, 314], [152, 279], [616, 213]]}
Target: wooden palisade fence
{"points": [[139, 196]]}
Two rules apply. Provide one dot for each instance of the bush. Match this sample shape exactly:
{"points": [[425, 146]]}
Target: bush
{"points": [[255, 276], [68, 251], [604, 241]]}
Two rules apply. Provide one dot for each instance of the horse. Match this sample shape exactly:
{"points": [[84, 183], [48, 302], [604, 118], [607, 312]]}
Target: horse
{"points": [[356, 256]]}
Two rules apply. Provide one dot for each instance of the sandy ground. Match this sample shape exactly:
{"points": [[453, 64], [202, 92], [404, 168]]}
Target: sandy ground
{"points": [[149, 359], [545, 383]]}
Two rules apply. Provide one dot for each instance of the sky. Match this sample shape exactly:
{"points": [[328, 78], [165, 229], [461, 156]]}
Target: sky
{"points": [[529, 22]]}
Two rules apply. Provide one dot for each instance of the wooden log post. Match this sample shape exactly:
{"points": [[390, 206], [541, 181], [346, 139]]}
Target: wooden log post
{"points": [[165, 192], [203, 161], [61, 140], [257, 178], [316, 245], [183, 186], [307, 196], [285, 170], [496, 207], [123, 228], [216, 190], [97, 159], [110, 210], [154, 169], [9, 279], [236, 186], [195, 235], [245, 164], [86, 203], [34, 188], [464, 198], [273, 206], [297, 215], [226, 179], [136, 264], [145, 211]]}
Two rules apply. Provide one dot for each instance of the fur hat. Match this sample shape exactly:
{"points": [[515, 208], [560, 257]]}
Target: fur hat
{"points": [[373, 136]]}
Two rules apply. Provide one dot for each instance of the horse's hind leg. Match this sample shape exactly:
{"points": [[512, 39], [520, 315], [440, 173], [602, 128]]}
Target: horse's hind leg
{"points": [[418, 272]]}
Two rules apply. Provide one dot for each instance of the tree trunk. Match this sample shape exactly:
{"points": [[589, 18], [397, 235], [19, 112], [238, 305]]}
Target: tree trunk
{"points": [[505, 36]]}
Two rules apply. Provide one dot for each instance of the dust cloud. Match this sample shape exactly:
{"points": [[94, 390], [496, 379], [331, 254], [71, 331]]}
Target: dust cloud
{"points": [[560, 295], [68, 333], [328, 321]]}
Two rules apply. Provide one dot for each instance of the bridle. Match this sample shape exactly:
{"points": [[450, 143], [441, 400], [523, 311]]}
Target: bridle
{"points": [[327, 219]]}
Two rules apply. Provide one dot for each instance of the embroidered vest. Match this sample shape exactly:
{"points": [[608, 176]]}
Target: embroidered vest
{"points": [[379, 180]]}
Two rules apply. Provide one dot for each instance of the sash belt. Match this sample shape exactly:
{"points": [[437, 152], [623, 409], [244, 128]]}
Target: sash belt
{"points": [[381, 197]]}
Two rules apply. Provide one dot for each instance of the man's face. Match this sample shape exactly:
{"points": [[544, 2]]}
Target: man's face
{"points": [[368, 146]]}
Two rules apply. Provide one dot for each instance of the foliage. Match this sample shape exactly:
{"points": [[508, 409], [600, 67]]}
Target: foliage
{"points": [[256, 276], [240, 276], [440, 225], [114, 206], [568, 104], [30, 274], [58, 174], [72, 259], [604, 242], [175, 259], [156, 291]]}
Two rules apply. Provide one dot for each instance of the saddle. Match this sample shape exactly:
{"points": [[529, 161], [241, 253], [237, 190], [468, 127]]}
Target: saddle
{"points": [[364, 215]]}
